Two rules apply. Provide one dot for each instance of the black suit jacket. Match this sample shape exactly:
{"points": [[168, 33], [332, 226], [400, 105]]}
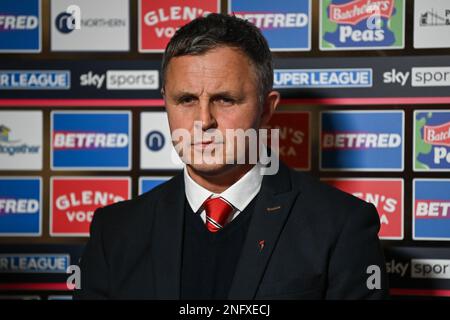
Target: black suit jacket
{"points": [[318, 240]]}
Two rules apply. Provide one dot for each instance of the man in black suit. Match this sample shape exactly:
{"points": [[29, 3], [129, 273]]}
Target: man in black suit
{"points": [[224, 229]]}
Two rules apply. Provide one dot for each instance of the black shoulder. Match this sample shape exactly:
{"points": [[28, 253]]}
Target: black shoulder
{"points": [[139, 208]]}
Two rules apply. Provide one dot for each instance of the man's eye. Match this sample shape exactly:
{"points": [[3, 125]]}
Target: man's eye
{"points": [[225, 101], [187, 100]]}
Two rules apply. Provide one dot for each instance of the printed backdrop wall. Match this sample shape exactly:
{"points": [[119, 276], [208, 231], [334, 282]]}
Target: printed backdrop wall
{"points": [[365, 107]]}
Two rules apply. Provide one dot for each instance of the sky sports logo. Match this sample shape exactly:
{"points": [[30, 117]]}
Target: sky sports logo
{"points": [[362, 141], [420, 268], [91, 140], [34, 79], [20, 26], [20, 206], [121, 80], [323, 78], [285, 24]]}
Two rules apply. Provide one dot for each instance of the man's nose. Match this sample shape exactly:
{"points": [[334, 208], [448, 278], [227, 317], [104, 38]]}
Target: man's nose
{"points": [[206, 116]]}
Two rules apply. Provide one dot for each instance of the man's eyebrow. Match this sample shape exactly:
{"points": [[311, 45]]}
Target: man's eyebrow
{"points": [[215, 95], [183, 94]]}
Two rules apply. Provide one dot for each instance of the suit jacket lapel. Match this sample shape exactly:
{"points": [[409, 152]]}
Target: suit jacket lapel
{"points": [[272, 208], [167, 241]]}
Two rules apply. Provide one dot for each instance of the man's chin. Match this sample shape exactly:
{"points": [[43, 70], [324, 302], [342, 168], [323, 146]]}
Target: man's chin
{"points": [[209, 169]]}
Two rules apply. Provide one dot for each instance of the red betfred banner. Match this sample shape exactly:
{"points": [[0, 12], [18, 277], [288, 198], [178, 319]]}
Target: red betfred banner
{"points": [[75, 199], [294, 138], [385, 194], [159, 20]]}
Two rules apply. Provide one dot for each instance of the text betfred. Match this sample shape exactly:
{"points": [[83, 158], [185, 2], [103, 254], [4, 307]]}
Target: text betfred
{"points": [[81, 140], [21, 22], [276, 20], [360, 140], [432, 209], [19, 206]]}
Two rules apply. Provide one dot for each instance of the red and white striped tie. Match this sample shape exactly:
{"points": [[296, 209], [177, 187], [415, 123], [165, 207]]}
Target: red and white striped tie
{"points": [[217, 212]]}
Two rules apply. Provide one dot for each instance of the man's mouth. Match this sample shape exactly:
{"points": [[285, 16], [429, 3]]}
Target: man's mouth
{"points": [[204, 144]]}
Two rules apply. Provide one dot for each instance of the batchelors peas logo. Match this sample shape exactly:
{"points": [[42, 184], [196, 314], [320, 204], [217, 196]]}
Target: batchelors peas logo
{"points": [[432, 140], [362, 24]]}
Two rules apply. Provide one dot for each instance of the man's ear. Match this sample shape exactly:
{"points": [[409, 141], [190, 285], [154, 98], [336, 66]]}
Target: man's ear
{"points": [[270, 104]]}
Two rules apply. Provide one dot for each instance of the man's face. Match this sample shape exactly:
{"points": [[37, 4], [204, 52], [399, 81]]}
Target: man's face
{"points": [[218, 88]]}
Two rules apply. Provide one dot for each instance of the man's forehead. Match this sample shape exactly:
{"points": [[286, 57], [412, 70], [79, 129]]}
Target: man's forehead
{"points": [[219, 70]]}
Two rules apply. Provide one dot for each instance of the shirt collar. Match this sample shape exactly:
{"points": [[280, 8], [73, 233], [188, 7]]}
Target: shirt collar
{"points": [[240, 194]]}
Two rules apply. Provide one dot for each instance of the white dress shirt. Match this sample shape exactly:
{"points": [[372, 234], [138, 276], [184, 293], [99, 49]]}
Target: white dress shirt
{"points": [[239, 195]]}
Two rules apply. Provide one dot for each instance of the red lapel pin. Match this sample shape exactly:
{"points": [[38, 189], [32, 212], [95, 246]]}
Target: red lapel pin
{"points": [[261, 244]]}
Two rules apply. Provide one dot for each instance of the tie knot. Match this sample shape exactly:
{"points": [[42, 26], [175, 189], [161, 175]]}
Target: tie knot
{"points": [[217, 213]]}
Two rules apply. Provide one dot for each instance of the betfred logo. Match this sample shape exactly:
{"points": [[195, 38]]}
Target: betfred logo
{"points": [[20, 206], [431, 206], [20, 26], [91, 140], [362, 140], [286, 24], [385, 194], [159, 20], [432, 140], [75, 199], [294, 138]]}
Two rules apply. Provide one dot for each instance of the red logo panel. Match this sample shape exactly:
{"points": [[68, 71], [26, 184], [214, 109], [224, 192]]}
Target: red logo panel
{"points": [[158, 20], [385, 194], [74, 200], [294, 138]]}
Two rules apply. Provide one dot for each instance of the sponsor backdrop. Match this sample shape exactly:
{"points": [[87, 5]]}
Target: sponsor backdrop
{"points": [[365, 107]]}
